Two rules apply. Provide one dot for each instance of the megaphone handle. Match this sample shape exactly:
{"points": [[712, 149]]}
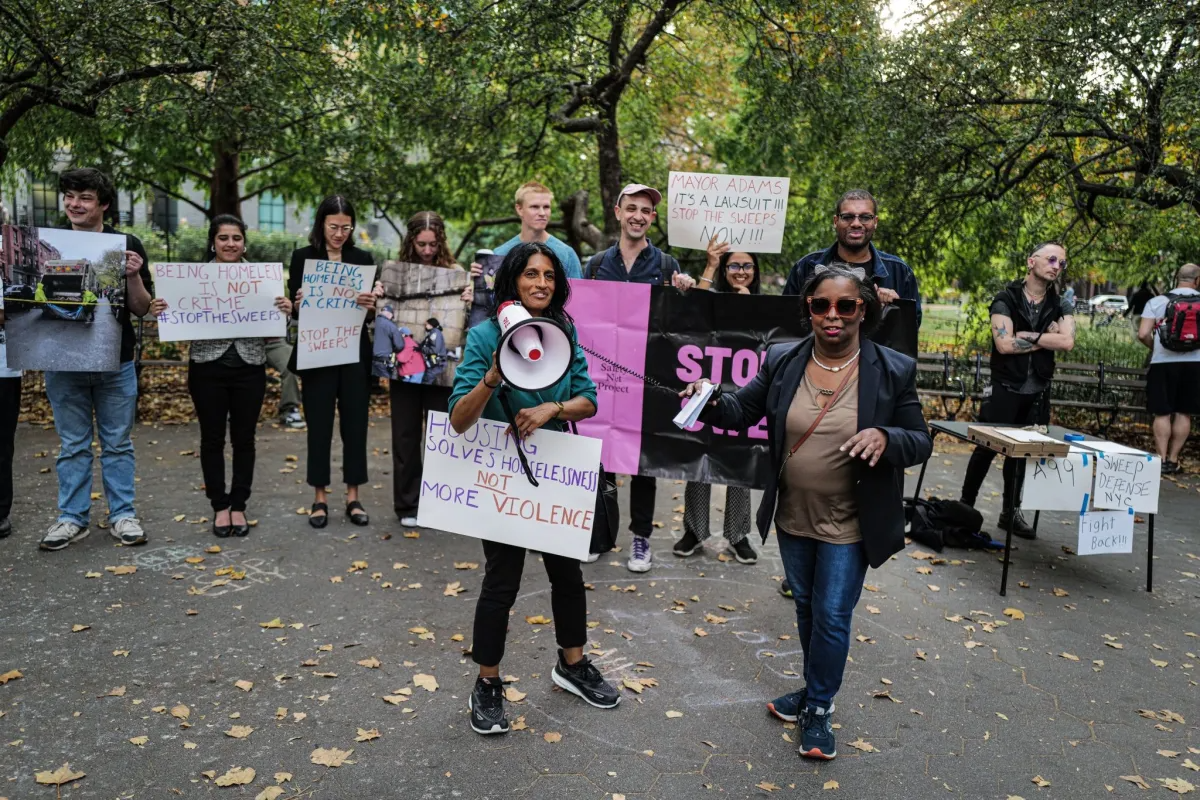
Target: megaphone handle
{"points": [[512, 424]]}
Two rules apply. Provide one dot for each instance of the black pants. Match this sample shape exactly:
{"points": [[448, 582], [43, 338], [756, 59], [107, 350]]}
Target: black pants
{"points": [[502, 581], [1004, 405], [410, 403], [343, 388], [233, 397], [641, 503], [10, 409]]}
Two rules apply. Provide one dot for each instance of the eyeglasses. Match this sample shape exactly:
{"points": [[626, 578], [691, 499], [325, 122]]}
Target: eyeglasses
{"points": [[845, 306], [863, 218], [734, 266], [329, 226], [1055, 261]]}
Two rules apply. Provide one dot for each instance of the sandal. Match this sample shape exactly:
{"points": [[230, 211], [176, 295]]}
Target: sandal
{"points": [[357, 514], [319, 521]]}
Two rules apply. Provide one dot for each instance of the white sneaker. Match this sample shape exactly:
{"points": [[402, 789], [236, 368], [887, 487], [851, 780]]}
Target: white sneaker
{"points": [[128, 531], [61, 534], [293, 420], [640, 559], [592, 558], [409, 522]]}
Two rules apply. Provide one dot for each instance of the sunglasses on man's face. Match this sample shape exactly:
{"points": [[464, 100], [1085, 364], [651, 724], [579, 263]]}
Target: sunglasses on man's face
{"points": [[863, 218], [1055, 261], [845, 306], [734, 266]]}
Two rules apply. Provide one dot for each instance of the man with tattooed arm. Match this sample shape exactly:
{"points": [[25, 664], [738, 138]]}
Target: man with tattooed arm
{"points": [[1030, 323]]}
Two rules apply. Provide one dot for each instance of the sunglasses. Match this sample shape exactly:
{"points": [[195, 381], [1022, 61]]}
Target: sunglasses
{"points": [[863, 218], [845, 306], [734, 266], [1054, 261]]}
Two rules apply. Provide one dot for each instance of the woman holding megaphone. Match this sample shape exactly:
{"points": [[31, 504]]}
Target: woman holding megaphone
{"points": [[532, 277]]}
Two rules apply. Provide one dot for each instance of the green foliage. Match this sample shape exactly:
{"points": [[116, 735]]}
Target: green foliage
{"points": [[190, 245]]}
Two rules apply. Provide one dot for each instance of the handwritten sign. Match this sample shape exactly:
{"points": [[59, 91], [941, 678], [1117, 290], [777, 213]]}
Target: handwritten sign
{"points": [[219, 301], [1127, 480], [1105, 532], [1057, 484], [331, 321], [472, 484], [746, 211]]}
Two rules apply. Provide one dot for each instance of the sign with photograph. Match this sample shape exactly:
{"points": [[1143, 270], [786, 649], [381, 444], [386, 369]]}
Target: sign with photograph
{"points": [[331, 321], [417, 293], [472, 484], [746, 211], [219, 301]]}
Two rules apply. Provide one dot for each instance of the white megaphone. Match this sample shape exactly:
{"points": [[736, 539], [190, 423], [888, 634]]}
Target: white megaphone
{"points": [[534, 353]]}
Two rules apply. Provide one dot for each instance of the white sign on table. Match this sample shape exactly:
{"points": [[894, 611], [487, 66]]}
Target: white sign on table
{"points": [[472, 484], [1105, 532], [1127, 480], [746, 211], [1058, 483], [331, 321], [219, 301]]}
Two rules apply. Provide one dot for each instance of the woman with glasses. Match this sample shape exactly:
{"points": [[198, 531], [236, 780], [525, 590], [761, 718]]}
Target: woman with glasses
{"points": [[343, 387], [227, 379], [725, 272], [843, 421]]}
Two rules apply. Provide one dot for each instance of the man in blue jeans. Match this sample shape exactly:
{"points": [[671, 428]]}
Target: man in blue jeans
{"points": [[108, 397]]}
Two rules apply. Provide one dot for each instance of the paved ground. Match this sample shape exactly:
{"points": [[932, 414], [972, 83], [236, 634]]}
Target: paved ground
{"points": [[187, 626]]}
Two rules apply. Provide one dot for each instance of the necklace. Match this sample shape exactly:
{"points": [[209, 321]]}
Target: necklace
{"points": [[838, 368]]}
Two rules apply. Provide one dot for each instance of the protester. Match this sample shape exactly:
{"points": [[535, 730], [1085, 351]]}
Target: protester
{"points": [[1030, 323], [635, 259], [388, 342], [410, 364], [1169, 328], [433, 347], [227, 379], [723, 272], [10, 411], [343, 386], [108, 397], [848, 409], [854, 222], [279, 354], [532, 275]]}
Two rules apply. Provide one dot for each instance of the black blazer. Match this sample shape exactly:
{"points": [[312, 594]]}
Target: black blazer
{"points": [[887, 399], [350, 255]]}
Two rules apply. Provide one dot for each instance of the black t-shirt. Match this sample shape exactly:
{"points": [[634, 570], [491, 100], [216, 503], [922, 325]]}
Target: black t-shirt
{"points": [[128, 337], [1033, 384]]}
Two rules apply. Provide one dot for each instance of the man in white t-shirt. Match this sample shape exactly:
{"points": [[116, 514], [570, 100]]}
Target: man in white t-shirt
{"points": [[1173, 381]]}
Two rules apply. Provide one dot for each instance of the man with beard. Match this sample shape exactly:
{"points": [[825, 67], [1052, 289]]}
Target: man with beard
{"points": [[634, 259], [854, 221]]}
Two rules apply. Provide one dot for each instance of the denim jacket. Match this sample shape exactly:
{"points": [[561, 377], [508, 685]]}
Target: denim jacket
{"points": [[889, 271]]}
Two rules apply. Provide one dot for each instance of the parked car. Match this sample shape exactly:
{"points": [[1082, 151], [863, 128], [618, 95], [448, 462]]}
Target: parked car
{"points": [[18, 298], [1109, 302]]}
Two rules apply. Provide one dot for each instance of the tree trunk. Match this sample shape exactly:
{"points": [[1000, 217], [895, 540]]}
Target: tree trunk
{"points": [[608, 147], [224, 189], [579, 229]]}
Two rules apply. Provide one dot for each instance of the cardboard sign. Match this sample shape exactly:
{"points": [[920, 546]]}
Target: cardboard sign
{"points": [[1057, 484], [1127, 480], [331, 321], [219, 301], [1105, 532], [746, 211], [472, 484]]}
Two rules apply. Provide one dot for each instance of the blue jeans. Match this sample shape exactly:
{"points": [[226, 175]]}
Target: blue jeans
{"points": [[112, 398], [416, 377], [826, 580]]}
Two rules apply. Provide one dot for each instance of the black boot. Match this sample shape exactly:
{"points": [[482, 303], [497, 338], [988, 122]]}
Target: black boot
{"points": [[1019, 526]]}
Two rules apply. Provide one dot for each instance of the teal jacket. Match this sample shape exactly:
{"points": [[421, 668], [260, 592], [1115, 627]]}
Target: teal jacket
{"points": [[482, 341]]}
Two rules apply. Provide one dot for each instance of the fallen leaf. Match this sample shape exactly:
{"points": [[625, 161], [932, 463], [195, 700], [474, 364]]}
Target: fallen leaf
{"points": [[239, 731], [674, 714], [1176, 785], [11, 675], [1168, 753], [213, 549], [1136, 780], [714, 619], [873, 610], [831, 785], [921, 655], [1157, 663], [283, 777], [453, 589], [116, 691], [58, 777], [1015, 613], [1069, 656], [331, 757], [552, 737], [139, 740], [767, 786], [370, 663], [1061, 592], [700, 631], [275, 623], [190, 745], [366, 736], [1115, 645], [1192, 765], [1039, 781], [124, 569], [245, 686], [864, 746], [412, 535], [537, 619], [269, 793], [237, 776], [633, 685], [78, 628], [181, 711], [426, 682], [466, 565], [933, 588]]}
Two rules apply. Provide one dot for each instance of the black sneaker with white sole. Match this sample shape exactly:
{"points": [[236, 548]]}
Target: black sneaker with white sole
{"points": [[744, 553], [686, 546], [584, 680], [487, 707]]}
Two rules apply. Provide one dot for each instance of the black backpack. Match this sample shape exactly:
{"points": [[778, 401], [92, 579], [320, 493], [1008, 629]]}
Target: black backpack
{"points": [[939, 523]]}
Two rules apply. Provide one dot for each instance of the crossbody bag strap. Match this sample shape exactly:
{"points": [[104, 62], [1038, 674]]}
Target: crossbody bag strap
{"points": [[803, 438], [512, 424]]}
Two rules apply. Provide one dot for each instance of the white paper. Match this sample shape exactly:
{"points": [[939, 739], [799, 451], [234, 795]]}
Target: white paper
{"points": [[1058, 483], [1127, 480], [1105, 532], [219, 301], [687, 417], [1110, 447], [746, 211], [472, 484], [331, 321]]}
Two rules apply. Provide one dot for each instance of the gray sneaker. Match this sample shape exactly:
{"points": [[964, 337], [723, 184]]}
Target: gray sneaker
{"points": [[128, 531], [61, 534], [292, 419]]}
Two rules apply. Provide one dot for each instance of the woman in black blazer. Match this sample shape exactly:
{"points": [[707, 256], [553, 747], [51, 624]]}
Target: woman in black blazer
{"points": [[843, 421], [345, 386]]}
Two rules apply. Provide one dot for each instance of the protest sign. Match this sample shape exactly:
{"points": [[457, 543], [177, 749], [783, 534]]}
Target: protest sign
{"points": [[472, 484], [746, 211], [219, 301], [1105, 532], [1057, 483], [675, 338], [417, 293], [1127, 480], [331, 321]]}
